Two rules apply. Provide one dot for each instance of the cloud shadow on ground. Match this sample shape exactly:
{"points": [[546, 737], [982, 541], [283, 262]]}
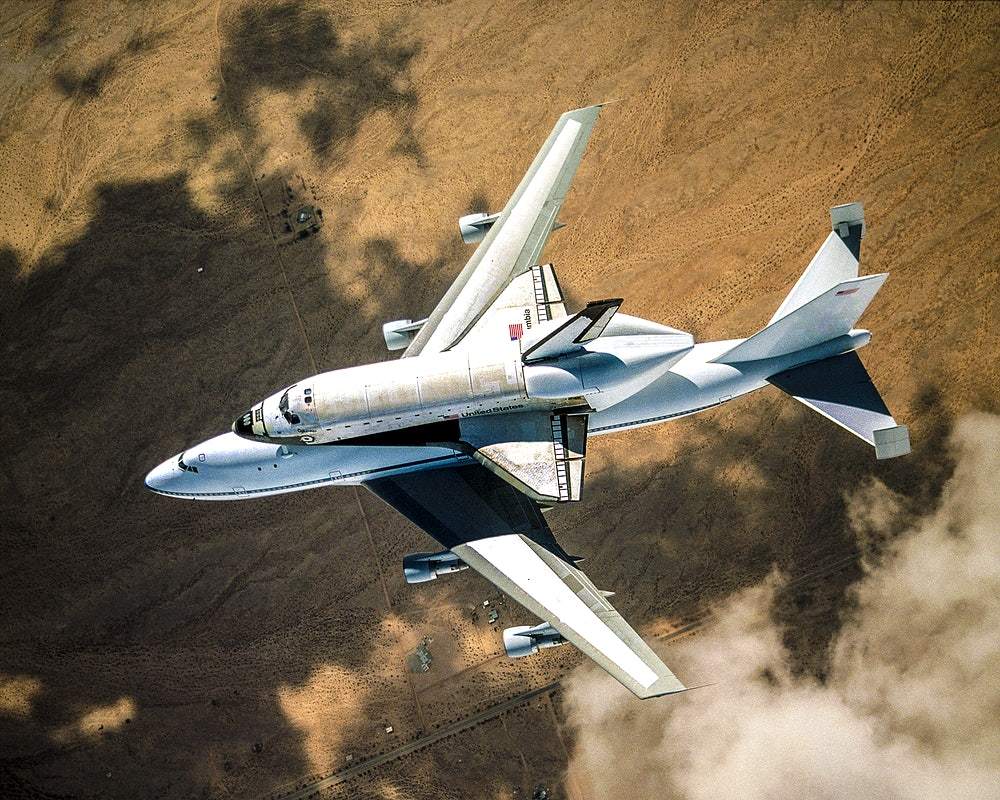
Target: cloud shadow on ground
{"points": [[290, 47], [120, 352], [763, 484]]}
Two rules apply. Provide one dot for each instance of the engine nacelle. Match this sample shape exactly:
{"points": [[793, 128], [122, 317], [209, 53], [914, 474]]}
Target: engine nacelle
{"points": [[423, 567], [399, 333], [525, 640], [474, 227]]}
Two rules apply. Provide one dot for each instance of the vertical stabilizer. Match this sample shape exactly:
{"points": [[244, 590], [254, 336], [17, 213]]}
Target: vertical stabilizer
{"points": [[572, 334], [823, 318]]}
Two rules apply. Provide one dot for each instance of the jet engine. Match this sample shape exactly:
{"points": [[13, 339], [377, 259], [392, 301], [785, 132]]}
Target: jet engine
{"points": [[422, 567], [399, 333], [524, 640], [474, 226]]}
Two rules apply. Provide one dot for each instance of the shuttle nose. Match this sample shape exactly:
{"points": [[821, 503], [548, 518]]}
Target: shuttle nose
{"points": [[244, 425], [251, 425]]}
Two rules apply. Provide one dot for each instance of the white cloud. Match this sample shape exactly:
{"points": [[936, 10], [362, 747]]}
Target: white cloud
{"points": [[910, 704]]}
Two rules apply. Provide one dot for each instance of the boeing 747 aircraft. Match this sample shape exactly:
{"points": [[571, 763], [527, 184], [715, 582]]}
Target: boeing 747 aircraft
{"points": [[483, 422]]}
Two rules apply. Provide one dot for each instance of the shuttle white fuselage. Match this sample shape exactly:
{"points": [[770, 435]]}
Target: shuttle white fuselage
{"points": [[387, 396]]}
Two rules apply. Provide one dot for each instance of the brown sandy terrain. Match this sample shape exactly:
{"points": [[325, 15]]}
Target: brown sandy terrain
{"points": [[153, 648]]}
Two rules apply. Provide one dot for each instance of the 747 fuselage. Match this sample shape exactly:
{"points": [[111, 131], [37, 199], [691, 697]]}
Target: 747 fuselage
{"points": [[349, 425]]}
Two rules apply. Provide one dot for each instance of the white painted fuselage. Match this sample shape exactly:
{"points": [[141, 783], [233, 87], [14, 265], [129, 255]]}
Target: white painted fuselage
{"points": [[348, 426]]}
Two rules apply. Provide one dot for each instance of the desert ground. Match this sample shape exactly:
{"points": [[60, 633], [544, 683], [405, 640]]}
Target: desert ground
{"points": [[156, 648]]}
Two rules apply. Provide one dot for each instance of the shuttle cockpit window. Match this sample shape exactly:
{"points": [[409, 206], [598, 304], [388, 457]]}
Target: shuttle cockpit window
{"points": [[290, 416]]}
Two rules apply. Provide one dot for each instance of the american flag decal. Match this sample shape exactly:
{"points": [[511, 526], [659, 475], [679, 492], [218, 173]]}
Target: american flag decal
{"points": [[847, 291], [516, 331]]}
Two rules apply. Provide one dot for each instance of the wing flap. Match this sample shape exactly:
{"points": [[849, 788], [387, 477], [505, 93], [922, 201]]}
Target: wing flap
{"points": [[548, 294]]}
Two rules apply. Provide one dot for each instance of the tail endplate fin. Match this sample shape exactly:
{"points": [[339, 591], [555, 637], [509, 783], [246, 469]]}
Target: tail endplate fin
{"points": [[841, 390]]}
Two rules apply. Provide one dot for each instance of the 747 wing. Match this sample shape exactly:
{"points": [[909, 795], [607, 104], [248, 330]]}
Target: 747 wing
{"points": [[501, 533], [515, 241]]}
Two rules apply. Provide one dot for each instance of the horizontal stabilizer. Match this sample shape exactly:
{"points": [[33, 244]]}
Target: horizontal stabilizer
{"points": [[579, 329], [836, 260], [840, 389]]}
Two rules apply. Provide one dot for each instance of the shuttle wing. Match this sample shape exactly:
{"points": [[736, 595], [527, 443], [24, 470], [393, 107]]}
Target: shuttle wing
{"points": [[538, 453], [501, 534], [529, 301], [515, 241]]}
